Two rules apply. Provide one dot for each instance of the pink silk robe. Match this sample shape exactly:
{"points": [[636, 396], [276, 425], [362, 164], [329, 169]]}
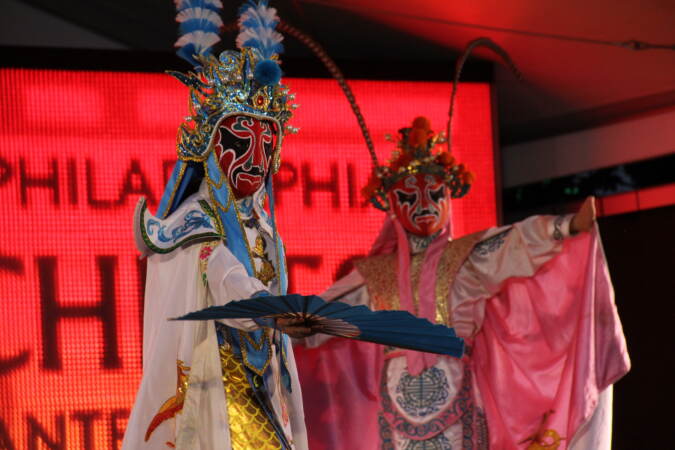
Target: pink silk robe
{"points": [[539, 316]]}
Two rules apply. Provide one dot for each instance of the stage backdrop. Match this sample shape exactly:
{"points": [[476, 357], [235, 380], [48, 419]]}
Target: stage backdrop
{"points": [[79, 148]]}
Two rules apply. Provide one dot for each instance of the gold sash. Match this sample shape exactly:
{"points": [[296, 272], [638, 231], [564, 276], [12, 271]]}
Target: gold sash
{"points": [[381, 275]]}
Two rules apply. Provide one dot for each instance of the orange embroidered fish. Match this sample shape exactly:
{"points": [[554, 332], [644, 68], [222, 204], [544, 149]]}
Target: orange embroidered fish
{"points": [[543, 439], [174, 405], [548, 440]]}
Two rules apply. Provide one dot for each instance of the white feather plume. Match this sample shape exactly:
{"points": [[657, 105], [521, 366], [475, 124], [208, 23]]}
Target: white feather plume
{"points": [[200, 13], [182, 4], [200, 25], [199, 38], [257, 25]]}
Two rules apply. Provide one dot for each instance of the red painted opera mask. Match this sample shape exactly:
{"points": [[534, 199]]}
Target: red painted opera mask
{"points": [[421, 203], [244, 146]]}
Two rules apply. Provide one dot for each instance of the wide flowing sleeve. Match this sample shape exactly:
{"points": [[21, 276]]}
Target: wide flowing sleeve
{"points": [[228, 281], [517, 250], [550, 342]]}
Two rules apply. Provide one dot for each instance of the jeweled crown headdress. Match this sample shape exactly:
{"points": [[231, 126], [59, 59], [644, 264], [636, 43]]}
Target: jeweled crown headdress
{"points": [[416, 153], [236, 82]]}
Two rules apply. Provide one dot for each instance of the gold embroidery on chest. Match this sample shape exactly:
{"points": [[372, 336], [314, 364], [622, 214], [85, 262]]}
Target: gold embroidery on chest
{"points": [[266, 272], [381, 275], [454, 255]]}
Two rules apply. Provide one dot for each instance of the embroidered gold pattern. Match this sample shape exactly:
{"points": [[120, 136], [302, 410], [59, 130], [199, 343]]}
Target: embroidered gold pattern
{"points": [[250, 427], [454, 255], [204, 253], [257, 345], [381, 272], [208, 209], [266, 272], [550, 440]]}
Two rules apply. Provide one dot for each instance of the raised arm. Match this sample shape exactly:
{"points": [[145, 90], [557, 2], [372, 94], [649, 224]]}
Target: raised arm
{"points": [[517, 250]]}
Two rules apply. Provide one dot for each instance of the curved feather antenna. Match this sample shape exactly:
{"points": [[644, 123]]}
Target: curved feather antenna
{"points": [[199, 28], [334, 70], [257, 25], [337, 74], [480, 42]]}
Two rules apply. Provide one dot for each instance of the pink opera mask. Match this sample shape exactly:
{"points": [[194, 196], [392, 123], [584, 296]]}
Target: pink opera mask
{"points": [[420, 202], [244, 148]]}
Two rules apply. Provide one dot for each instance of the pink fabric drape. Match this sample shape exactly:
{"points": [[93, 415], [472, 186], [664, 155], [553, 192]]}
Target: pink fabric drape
{"points": [[417, 361], [340, 384], [550, 342], [404, 282]]}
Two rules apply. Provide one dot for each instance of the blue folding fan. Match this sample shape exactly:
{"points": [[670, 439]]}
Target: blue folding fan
{"points": [[395, 328]]}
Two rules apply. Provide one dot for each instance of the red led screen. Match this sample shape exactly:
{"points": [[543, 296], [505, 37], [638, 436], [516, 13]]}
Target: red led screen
{"points": [[78, 148]]}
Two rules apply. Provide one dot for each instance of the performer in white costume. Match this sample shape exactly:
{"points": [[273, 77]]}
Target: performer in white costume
{"points": [[231, 384]]}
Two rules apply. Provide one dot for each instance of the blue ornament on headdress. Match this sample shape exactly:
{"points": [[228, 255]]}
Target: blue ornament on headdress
{"points": [[267, 72]]}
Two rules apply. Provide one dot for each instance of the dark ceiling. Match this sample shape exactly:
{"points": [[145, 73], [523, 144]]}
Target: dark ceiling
{"points": [[576, 72]]}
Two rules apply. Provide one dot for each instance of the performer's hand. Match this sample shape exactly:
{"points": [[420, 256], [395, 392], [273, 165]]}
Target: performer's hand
{"points": [[584, 219], [295, 328]]}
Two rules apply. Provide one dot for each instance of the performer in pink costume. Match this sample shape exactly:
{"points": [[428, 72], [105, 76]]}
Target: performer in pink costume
{"points": [[532, 300]]}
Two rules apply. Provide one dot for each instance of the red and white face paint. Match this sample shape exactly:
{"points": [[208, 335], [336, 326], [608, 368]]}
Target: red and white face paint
{"points": [[420, 203], [244, 146]]}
